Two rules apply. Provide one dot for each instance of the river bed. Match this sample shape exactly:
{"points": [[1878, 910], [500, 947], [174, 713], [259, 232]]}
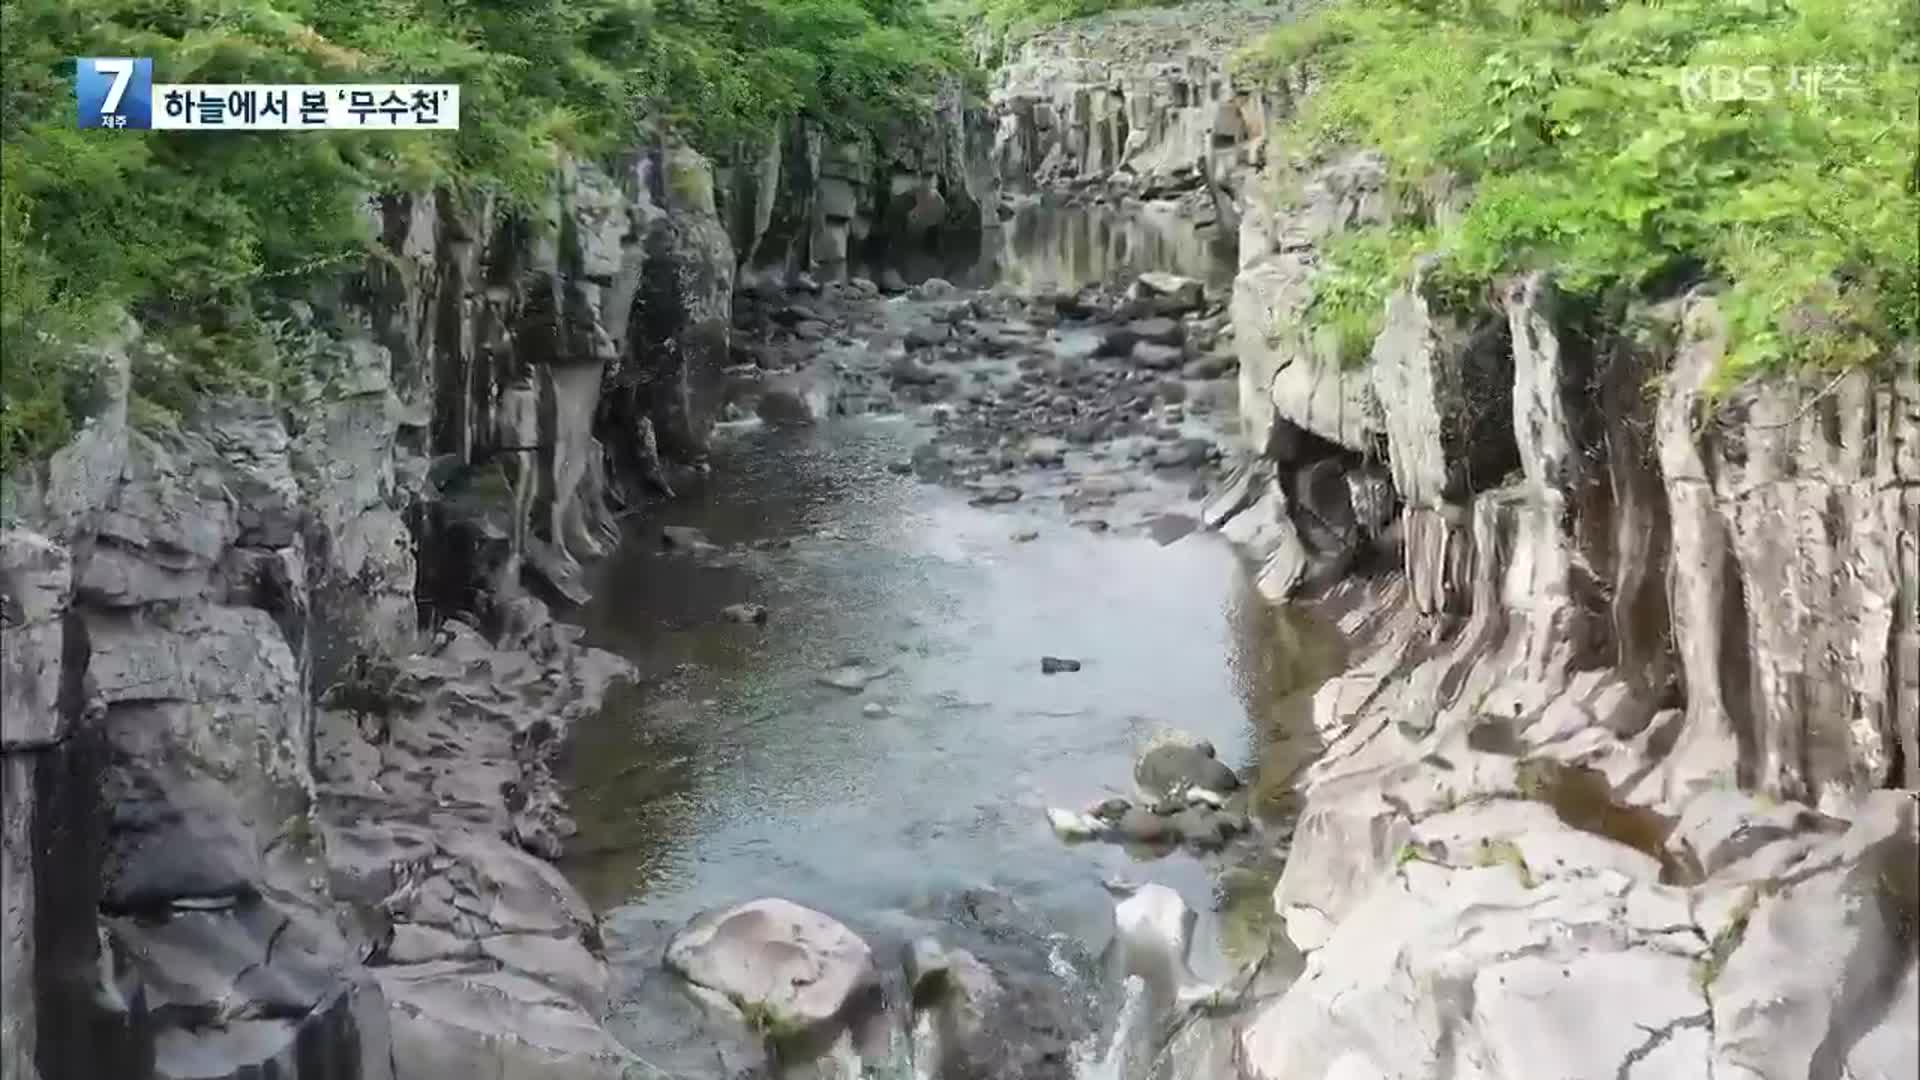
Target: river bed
{"points": [[729, 771]]}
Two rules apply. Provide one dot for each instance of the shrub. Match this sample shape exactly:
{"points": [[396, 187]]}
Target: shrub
{"points": [[1581, 126], [194, 233]]}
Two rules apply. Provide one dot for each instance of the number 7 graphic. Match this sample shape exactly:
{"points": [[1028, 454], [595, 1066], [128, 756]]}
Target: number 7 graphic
{"points": [[122, 72], [114, 91]]}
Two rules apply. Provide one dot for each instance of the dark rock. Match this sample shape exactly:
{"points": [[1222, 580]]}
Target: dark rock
{"points": [[1202, 827], [686, 538], [1116, 341], [921, 338], [1005, 493], [905, 371], [1210, 366], [1053, 665], [795, 314], [1142, 826], [1323, 509], [1154, 357], [1159, 331], [1185, 454], [1171, 769]]}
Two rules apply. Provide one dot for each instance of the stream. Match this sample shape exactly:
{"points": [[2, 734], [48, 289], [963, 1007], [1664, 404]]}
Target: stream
{"points": [[730, 771]]}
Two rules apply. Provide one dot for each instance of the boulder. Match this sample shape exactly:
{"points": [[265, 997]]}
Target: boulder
{"points": [[793, 968], [1158, 331], [1155, 357], [953, 995], [1152, 936], [1172, 768], [1167, 294]]}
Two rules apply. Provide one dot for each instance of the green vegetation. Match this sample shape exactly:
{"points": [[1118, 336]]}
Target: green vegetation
{"points": [[1706, 969], [1492, 852], [1632, 144], [1002, 16], [194, 234]]}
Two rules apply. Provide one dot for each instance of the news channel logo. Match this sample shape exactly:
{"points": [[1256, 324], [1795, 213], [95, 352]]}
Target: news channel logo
{"points": [[114, 91], [119, 92]]}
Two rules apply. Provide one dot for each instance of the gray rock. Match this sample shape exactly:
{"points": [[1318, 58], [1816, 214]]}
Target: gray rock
{"points": [[455, 1019], [1170, 770], [906, 371], [1005, 493], [1052, 665], [797, 968], [1168, 294], [1142, 826], [1156, 357], [1446, 394], [1184, 454], [1046, 452], [1157, 331]]}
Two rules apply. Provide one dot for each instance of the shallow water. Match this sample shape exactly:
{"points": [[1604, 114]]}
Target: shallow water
{"points": [[730, 772], [1046, 245]]}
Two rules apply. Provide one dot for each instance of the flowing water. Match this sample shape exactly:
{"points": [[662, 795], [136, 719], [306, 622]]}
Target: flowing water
{"points": [[731, 772]]}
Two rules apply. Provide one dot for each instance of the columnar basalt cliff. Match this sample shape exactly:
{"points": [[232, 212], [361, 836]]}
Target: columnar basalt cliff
{"points": [[278, 712], [908, 202], [1622, 776], [1642, 664], [1141, 102]]}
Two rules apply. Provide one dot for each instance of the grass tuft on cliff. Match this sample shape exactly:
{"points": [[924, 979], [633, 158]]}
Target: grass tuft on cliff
{"points": [[1634, 144], [192, 233]]}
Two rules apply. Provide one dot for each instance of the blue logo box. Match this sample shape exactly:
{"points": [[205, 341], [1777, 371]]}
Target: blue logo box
{"points": [[114, 91]]}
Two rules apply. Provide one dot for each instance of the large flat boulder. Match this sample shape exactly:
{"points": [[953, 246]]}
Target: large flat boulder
{"points": [[791, 967]]}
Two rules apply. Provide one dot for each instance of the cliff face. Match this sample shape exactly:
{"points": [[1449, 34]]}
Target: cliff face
{"points": [[1608, 783], [1750, 557], [260, 821], [1639, 666], [1138, 102], [910, 202]]}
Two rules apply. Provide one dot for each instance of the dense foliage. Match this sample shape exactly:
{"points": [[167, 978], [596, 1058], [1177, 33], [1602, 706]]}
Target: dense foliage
{"points": [[1001, 16], [189, 231], [1631, 144]]}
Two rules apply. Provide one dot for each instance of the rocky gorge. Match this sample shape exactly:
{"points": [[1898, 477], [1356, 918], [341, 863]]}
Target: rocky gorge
{"points": [[1614, 780]]}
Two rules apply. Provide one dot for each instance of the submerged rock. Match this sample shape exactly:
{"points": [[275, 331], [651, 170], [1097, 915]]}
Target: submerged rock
{"points": [[686, 538], [853, 677], [755, 614]]}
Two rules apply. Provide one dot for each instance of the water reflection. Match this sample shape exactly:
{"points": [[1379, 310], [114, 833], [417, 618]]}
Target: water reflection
{"points": [[1047, 245], [731, 772]]}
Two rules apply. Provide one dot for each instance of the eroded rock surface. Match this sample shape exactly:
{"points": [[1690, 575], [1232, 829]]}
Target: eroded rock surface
{"points": [[259, 822]]}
